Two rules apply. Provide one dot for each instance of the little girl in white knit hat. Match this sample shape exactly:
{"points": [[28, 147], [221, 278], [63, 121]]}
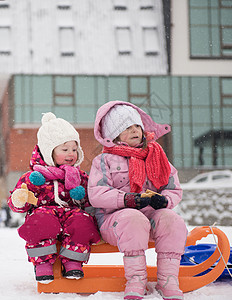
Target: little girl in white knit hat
{"points": [[54, 197]]}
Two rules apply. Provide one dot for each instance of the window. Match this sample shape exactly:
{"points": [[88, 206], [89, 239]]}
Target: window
{"points": [[139, 91], [203, 179], [64, 96], [63, 87], [220, 177], [123, 38], [120, 4], [5, 29], [64, 6], [210, 25], [4, 11], [151, 44], [4, 5], [226, 91], [5, 38], [67, 45], [64, 14], [147, 4]]}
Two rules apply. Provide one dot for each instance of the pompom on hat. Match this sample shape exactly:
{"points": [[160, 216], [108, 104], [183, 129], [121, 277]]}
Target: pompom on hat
{"points": [[54, 132], [118, 119]]}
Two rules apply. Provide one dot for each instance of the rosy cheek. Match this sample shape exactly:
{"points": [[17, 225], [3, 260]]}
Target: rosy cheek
{"points": [[60, 157], [123, 137]]}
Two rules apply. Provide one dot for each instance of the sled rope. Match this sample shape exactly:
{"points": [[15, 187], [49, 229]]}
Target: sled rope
{"points": [[219, 248]]}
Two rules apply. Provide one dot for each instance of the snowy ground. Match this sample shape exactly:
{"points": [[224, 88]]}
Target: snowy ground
{"points": [[17, 276]]}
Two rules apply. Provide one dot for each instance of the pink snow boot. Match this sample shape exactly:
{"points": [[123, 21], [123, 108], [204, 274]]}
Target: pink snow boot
{"points": [[167, 279], [44, 272], [136, 275], [73, 269]]}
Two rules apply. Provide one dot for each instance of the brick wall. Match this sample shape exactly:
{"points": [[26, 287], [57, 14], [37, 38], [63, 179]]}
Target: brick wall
{"points": [[22, 141]]}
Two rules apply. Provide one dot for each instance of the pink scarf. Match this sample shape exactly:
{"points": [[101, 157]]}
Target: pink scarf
{"points": [[151, 161], [71, 175]]}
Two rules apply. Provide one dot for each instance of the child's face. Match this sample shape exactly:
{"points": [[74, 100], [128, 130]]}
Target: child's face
{"points": [[65, 154], [132, 135]]}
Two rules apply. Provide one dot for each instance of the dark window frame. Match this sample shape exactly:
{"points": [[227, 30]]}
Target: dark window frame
{"points": [[220, 27]]}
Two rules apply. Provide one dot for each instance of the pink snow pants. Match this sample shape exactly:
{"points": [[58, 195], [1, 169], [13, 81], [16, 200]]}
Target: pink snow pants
{"points": [[131, 230], [72, 226]]}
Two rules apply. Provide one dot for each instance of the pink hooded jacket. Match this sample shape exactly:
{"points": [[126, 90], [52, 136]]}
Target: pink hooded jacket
{"points": [[109, 176]]}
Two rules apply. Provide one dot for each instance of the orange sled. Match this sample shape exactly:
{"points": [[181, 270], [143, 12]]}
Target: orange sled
{"points": [[111, 278]]}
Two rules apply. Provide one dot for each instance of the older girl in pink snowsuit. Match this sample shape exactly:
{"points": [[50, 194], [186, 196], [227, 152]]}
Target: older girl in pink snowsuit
{"points": [[53, 196], [131, 163]]}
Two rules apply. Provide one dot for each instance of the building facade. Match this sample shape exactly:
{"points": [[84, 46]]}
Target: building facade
{"points": [[171, 58]]}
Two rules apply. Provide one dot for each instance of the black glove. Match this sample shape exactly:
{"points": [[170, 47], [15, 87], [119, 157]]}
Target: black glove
{"points": [[158, 201], [134, 200]]}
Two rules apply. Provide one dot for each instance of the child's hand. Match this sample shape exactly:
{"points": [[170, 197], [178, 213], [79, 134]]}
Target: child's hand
{"points": [[77, 193], [21, 196], [158, 201], [135, 200], [37, 178]]}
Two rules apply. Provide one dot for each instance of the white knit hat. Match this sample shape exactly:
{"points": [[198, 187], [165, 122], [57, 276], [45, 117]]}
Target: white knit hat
{"points": [[54, 132], [118, 119]]}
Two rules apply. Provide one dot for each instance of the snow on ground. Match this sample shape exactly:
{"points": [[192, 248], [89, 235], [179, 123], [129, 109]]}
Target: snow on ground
{"points": [[17, 275]]}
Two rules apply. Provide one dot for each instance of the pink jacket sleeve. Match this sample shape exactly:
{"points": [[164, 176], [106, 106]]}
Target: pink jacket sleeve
{"points": [[172, 191], [23, 179], [100, 190]]}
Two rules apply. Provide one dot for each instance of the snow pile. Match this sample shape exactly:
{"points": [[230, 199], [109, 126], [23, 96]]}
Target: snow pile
{"points": [[205, 207]]}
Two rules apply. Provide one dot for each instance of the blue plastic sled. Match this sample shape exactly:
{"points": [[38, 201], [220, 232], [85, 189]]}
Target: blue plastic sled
{"points": [[196, 254]]}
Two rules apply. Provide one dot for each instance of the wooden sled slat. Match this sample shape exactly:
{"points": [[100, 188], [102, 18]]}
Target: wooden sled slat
{"points": [[111, 278]]}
